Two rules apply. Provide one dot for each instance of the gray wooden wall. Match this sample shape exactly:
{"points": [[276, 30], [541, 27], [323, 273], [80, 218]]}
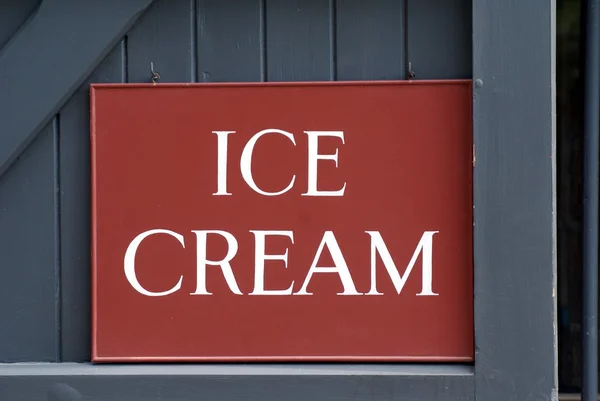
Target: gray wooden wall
{"points": [[45, 194]]}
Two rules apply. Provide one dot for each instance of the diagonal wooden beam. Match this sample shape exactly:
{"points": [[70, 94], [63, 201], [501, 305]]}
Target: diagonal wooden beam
{"points": [[50, 58]]}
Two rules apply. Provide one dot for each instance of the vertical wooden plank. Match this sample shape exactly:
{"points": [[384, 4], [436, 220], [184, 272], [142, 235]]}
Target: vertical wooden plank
{"points": [[162, 36], [439, 38], [515, 200], [29, 325], [370, 39], [297, 40], [29, 328], [229, 40], [75, 210], [13, 14]]}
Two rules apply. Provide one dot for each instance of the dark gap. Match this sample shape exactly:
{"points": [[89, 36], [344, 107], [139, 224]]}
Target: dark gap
{"points": [[263, 41], [194, 41], [570, 57], [332, 40], [57, 238], [405, 60], [124, 61]]}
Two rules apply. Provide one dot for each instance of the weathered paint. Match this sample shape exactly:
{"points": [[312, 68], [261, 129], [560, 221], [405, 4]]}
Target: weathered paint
{"points": [[188, 40]]}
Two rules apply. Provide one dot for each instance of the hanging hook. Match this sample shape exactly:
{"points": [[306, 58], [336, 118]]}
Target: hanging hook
{"points": [[155, 75], [411, 74]]}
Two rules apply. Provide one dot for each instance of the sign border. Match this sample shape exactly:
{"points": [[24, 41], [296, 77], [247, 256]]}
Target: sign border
{"points": [[94, 87]]}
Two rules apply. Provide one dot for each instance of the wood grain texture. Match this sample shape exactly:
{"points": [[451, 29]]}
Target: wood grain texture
{"points": [[31, 93], [297, 40], [230, 44], [438, 38], [75, 210], [13, 15], [28, 282], [370, 39], [71, 382], [22, 205], [162, 36], [514, 198]]}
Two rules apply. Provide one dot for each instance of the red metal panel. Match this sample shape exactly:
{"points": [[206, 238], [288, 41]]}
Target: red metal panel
{"points": [[337, 281]]}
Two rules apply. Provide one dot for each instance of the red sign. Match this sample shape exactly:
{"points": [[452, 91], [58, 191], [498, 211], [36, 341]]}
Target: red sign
{"points": [[282, 221]]}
